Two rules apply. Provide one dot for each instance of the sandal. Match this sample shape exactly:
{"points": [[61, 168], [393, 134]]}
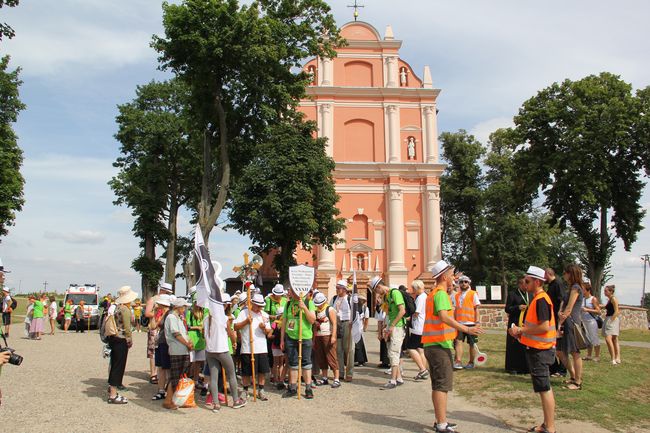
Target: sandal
{"points": [[118, 399], [153, 379], [159, 396], [574, 386], [569, 381], [538, 429]]}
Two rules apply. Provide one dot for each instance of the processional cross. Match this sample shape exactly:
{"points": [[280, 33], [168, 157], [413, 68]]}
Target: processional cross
{"points": [[356, 9]]}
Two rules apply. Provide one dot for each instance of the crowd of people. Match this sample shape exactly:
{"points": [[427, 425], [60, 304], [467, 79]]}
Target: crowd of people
{"points": [[276, 336]]}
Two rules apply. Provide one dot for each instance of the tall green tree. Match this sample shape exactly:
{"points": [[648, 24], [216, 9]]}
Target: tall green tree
{"points": [[462, 200], [240, 64], [5, 30], [286, 195], [584, 147], [158, 171], [11, 156]]}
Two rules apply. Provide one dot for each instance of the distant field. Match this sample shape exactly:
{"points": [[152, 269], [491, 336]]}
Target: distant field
{"points": [[18, 316]]}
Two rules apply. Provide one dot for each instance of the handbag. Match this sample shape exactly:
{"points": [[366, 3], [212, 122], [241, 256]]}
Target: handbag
{"points": [[581, 336], [110, 327]]}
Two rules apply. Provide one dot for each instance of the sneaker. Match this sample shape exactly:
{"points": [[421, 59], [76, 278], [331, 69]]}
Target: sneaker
{"points": [[389, 385], [159, 396], [280, 386], [388, 371], [422, 375], [243, 393], [458, 366], [261, 394], [290, 393], [239, 403], [400, 382], [221, 398], [469, 366], [449, 429], [336, 384], [209, 400], [309, 393], [321, 382]]}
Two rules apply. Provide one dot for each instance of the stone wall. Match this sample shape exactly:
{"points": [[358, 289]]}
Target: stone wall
{"points": [[493, 316]]}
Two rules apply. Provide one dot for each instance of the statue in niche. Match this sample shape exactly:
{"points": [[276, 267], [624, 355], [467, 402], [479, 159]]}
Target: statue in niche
{"points": [[311, 70], [410, 148], [403, 77]]}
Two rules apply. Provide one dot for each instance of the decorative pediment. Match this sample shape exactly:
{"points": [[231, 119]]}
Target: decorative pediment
{"points": [[361, 248]]}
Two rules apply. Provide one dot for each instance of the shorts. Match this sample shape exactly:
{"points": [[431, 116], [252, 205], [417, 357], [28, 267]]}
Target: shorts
{"points": [[6, 319], [292, 353], [414, 342], [395, 345], [277, 352], [539, 363], [441, 371], [151, 342], [197, 355], [471, 339], [162, 358], [325, 353], [179, 365], [261, 364]]}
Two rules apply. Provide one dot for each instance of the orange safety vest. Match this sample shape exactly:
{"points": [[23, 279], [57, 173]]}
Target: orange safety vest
{"points": [[434, 330], [465, 312], [539, 341]]}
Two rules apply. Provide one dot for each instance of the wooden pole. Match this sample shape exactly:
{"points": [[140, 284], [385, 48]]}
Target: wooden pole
{"points": [[299, 349], [225, 387], [250, 335]]}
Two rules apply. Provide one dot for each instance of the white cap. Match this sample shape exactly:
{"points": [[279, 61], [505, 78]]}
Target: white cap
{"points": [[439, 268], [225, 298], [164, 299], [537, 273], [258, 300], [180, 302], [278, 290], [319, 299]]}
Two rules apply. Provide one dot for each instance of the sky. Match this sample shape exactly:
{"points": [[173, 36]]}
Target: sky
{"points": [[81, 58]]}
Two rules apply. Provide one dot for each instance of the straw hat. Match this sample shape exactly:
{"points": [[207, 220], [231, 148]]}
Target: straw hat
{"points": [[258, 300], [440, 268], [278, 290], [125, 295]]}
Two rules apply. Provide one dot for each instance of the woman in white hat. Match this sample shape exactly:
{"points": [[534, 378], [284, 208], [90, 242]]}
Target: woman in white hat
{"points": [[120, 343], [180, 346]]}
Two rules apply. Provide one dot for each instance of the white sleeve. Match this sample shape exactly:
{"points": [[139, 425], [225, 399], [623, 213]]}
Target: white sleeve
{"points": [[476, 300]]}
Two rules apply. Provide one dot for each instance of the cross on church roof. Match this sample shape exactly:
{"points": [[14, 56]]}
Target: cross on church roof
{"points": [[356, 9]]}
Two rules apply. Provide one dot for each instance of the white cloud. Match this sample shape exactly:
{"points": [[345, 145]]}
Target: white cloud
{"points": [[483, 130], [77, 237]]}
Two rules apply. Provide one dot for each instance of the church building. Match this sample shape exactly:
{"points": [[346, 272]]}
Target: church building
{"points": [[380, 119]]}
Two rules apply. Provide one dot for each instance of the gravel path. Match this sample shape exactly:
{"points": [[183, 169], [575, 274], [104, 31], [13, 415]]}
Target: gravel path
{"points": [[61, 387]]}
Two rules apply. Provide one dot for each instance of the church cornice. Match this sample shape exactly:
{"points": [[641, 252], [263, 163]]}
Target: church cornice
{"points": [[370, 92], [385, 169]]}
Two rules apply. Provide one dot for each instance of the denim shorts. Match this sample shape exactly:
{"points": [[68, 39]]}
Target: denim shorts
{"points": [[291, 347]]}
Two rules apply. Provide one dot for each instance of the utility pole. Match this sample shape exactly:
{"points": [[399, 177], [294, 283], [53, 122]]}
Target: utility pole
{"points": [[646, 263], [45, 286]]}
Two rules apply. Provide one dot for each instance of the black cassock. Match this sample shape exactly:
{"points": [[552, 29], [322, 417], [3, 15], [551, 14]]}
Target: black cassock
{"points": [[515, 351]]}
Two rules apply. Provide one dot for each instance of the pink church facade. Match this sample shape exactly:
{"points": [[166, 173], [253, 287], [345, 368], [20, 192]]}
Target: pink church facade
{"points": [[380, 120]]}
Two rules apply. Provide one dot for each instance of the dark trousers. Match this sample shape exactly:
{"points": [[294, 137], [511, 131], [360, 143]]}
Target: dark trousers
{"points": [[383, 353], [119, 352], [80, 325]]}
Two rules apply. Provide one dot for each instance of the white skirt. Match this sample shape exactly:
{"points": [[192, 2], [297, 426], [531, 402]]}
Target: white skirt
{"points": [[611, 327]]}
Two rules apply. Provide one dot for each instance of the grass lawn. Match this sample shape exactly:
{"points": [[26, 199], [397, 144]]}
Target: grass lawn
{"points": [[615, 397], [635, 335], [18, 315]]}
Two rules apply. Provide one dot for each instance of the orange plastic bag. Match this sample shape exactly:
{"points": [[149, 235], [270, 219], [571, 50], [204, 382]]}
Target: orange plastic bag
{"points": [[184, 394]]}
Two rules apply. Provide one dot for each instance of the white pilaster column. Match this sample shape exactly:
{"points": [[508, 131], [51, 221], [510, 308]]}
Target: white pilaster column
{"points": [[326, 127], [326, 259], [393, 133], [433, 246], [396, 229], [328, 72], [391, 72], [431, 134]]}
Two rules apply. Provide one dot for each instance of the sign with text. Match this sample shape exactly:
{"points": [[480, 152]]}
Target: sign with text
{"points": [[482, 292], [301, 278], [495, 293]]}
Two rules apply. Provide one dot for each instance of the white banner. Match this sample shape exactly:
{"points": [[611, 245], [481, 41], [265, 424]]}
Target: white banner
{"points": [[301, 278], [495, 293], [482, 292]]}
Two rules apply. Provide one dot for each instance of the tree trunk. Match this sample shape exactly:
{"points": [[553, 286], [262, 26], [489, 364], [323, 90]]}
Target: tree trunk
{"points": [[208, 213], [170, 262], [149, 287]]}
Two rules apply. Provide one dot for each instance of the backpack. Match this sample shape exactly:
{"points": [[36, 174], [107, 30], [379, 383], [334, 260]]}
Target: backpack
{"points": [[14, 303], [409, 303]]}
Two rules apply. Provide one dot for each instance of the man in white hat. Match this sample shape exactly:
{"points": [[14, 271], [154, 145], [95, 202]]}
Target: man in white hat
{"points": [[394, 330], [466, 304], [438, 336], [342, 303], [179, 347], [258, 320], [6, 301], [538, 335], [152, 333], [291, 327]]}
